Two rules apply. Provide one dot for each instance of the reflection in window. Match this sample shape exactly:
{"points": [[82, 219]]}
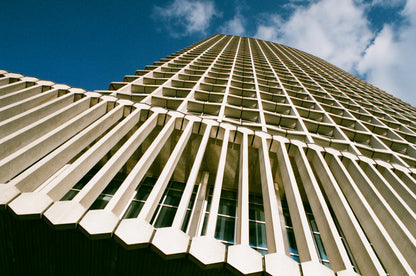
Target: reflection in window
{"points": [[226, 220], [257, 224], [168, 205], [294, 253], [344, 241], [140, 197], [81, 183], [317, 237], [225, 228], [108, 192]]}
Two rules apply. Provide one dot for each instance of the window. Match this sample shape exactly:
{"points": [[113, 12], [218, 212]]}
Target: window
{"points": [[140, 197], [226, 220], [167, 207], [109, 191], [81, 183], [257, 224], [317, 237], [294, 253]]}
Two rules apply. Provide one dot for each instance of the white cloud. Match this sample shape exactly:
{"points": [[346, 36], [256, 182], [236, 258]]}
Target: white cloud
{"points": [[192, 16], [335, 30], [338, 31], [234, 26], [390, 62]]}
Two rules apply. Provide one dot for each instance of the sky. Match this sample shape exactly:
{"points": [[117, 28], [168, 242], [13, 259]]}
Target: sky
{"points": [[89, 44]]}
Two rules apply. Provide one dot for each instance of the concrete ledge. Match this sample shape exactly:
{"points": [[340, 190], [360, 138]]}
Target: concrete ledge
{"points": [[281, 264], [170, 243], [207, 252], [65, 214], [349, 272], [99, 224], [134, 233], [7, 193], [314, 268], [30, 205], [245, 260]]}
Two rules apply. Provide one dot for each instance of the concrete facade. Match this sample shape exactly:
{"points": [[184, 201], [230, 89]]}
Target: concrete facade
{"points": [[234, 153]]}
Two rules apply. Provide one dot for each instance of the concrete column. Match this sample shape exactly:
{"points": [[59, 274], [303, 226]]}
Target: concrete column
{"points": [[171, 241], [198, 210], [394, 199], [27, 155], [84, 163], [12, 87], [308, 255], [403, 184], [242, 228], [45, 168], [363, 253], [157, 192], [25, 118], [70, 212], [386, 249], [276, 239], [137, 232], [337, 254], [30, 133], [241, 256], [373, 200], [20, 95], [187, 193], [215, 201], [304, 239]]}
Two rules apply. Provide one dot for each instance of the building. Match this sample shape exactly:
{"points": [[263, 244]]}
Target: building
{"points": [[231, 155]]}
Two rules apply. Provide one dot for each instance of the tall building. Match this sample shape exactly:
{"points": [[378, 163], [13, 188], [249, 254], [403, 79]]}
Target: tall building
{"points": [[231, 155]]}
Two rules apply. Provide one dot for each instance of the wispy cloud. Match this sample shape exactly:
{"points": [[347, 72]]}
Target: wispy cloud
{"points": [[185, 17], [390, 62], [336, 30], [339, 31], [235, 26]]}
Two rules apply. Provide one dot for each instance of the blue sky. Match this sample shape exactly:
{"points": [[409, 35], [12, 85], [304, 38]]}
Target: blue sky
{"points": [[88, 44]]}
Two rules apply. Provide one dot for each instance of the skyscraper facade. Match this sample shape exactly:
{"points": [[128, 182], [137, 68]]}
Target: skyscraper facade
{"points": [[231, 155]]}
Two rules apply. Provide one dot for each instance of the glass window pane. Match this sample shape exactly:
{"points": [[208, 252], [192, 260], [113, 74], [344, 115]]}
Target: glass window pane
{"points": [[257, 234], [312, 222], [256, 212], [295, 257], [204, 226], [286, 214], [143, 192], [225, 229], [69, 195], [150, 181], [185, 221], [100, 202], [165, 217], [112, 187], [191, 201], [177, 185], [320, 246], [228, 194], [209, 203], [134, 209], [173, 197], [227, 207], [255, 199], [292, 241]]}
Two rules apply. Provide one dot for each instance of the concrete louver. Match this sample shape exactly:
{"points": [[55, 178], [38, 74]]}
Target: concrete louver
{"points": [[233, 151]]}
